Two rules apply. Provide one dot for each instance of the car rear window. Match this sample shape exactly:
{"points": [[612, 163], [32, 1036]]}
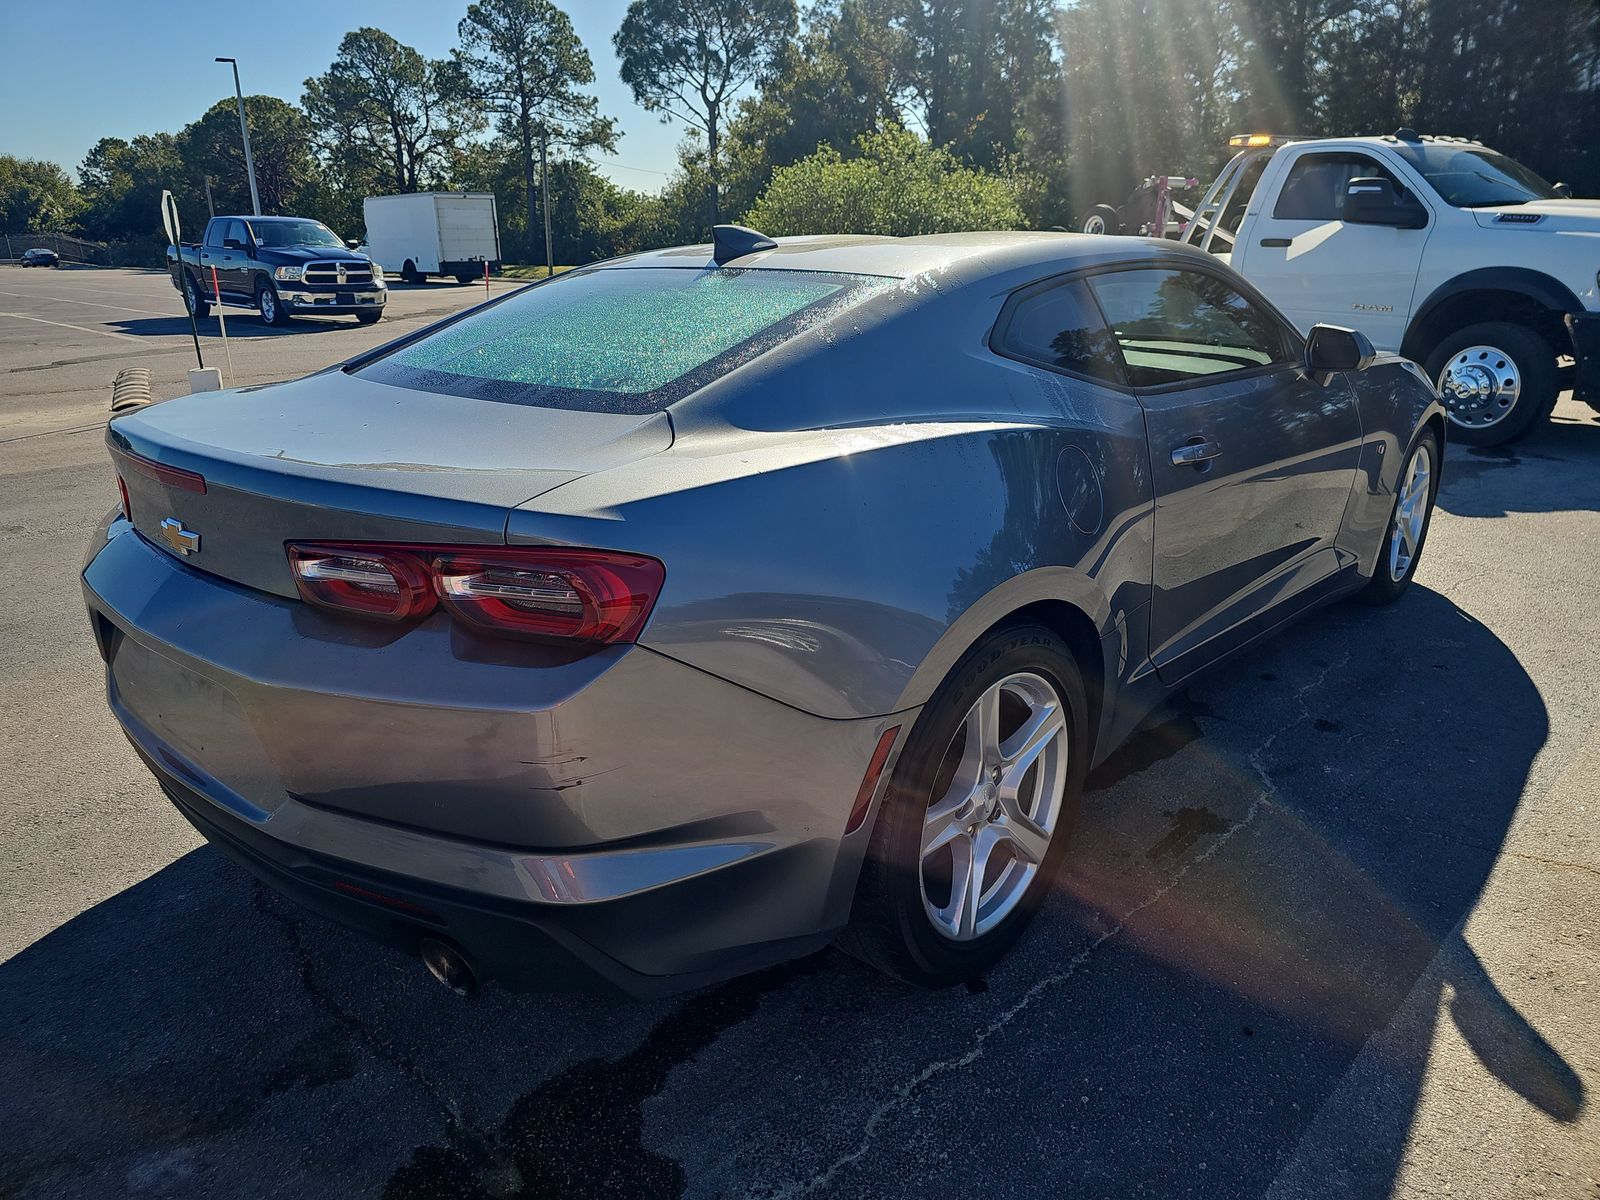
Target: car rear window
{"points": [[620, 340]]}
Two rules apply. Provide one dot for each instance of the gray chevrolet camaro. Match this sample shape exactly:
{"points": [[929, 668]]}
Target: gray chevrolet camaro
{"points": [[684, 613]]}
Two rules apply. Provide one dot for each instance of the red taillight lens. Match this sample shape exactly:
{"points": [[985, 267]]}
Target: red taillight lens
{"points": [[386, 582], [574, 595], [127, 507], [581, 595]]}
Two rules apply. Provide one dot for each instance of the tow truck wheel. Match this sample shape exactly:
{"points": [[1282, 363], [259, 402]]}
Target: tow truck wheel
{"points": [[197, 307], [269, 306], [1496, 380], [1102, 218]]}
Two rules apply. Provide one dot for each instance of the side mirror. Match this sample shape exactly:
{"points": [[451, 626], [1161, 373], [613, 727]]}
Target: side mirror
{"points": [[1562, 190], [1373, 200], [352, 243], [232, 244], [1334, 348]]}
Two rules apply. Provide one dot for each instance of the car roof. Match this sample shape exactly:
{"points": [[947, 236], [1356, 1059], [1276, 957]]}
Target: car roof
{"points": [[902, 257]]}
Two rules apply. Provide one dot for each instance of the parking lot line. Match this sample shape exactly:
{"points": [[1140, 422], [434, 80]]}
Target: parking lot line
{"points": [[127, 337], [90, 303]]}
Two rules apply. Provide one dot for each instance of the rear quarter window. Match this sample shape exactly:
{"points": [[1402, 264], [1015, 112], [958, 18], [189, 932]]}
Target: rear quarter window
{"points": [[618, 340]]}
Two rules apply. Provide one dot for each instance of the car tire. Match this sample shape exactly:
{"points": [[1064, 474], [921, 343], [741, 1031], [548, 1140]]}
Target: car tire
{"points": [[1496, 380], [194, 298], [269, 307], [410, 274], [1102, 218], [1417, 483], [369, 318], [908, 919]]}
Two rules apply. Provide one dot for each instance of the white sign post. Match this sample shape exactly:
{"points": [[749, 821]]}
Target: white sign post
{"points": [[201, 378]]}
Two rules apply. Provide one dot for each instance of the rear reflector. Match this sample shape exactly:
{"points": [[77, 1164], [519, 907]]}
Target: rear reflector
{"points": [[122, 490], [177, 477], [869, 782], [596, 596]]}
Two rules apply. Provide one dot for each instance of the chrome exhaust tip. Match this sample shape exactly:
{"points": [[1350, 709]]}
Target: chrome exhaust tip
{"points": [[448, 965]]}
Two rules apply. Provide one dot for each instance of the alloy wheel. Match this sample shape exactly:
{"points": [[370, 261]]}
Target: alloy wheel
{"points": [[997, 799], [268, 304], [1411, 512]]}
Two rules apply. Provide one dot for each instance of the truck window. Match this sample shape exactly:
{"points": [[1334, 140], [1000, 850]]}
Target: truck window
{"points": [[1474, 177], [1233, 216], [216, 231], [1175, 325], [1314, 190], [1060, 326]]}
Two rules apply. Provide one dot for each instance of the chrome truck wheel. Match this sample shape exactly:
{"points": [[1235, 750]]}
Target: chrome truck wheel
{"points": [[1480, 385]]}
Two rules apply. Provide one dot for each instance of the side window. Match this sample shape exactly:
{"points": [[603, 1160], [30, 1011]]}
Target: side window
{"points": [[215, 232], [1174, 325], [1233, 216], [1061, 327], [1314, 190]]}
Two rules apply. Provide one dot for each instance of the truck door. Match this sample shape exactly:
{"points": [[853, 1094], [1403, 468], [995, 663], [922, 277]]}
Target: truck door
{"points": [[1314, 267], [1251, 460]]}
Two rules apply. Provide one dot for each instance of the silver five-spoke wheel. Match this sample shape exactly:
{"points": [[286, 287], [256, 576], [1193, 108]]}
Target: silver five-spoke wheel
{"points": [[987, 830], [1411, 511]]}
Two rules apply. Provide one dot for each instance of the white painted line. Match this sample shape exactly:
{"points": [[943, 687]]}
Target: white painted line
{"points": [[92, 304], [127, 337]]}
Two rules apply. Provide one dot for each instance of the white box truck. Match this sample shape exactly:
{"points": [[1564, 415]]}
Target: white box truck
{"points": [[433, 233]]}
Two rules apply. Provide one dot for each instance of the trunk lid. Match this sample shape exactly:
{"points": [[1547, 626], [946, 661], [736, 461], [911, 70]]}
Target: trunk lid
{"points": [[332, 457]]}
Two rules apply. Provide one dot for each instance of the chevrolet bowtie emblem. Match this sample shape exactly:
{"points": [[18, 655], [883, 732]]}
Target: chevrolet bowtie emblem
{"points": [[182, 540]]}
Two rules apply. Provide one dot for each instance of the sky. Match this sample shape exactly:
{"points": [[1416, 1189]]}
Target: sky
{"points": [[116, 68]]}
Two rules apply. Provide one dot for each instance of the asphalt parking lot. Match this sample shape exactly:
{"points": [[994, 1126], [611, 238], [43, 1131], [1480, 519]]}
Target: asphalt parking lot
{"points": [[1331, 926]]}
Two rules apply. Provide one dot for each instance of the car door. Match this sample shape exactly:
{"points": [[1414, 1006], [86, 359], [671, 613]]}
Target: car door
{"points": [[213, 256], [1252, 459], [1314, 267]]}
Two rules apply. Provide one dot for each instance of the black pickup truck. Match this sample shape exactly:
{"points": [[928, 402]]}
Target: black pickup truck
{"points": [[280, 266]]}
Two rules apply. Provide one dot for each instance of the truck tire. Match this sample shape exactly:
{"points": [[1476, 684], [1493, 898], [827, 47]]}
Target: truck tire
{"points": [[370, 318], [466, 279], [269, 306], [1102, 218], [1496, 380], [410, 273], [193, 298]]}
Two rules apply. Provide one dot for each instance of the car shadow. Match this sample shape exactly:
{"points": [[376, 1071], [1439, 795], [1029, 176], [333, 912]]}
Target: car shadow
{"points": [[242, 324], [1559, 461], [1258, 883]]}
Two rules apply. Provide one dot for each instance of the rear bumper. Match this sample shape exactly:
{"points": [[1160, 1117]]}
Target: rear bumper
{"points": [[1585, 330], [620, 817]]}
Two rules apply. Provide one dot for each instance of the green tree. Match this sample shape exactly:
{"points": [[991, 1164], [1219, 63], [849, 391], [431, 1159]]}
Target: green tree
{"points": [[522, 60], [386, 117], [897, 185], [35, 196], [122, 181], [689, 59], [280, 141]]}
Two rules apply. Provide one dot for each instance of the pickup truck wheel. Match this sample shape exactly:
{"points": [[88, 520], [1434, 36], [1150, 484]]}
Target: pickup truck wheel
{"points": [[1496, 380], [369, 318], [269, 306], [197, 307], [1102, 218]]}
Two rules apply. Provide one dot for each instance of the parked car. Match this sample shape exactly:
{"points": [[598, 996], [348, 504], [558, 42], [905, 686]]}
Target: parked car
{"points": [[684, 612], [282, 267], [40, 256], [1440, 248], [433, 233]]}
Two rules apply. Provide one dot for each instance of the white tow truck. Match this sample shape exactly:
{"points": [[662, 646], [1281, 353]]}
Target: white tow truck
{"points": [[1457, 257]]}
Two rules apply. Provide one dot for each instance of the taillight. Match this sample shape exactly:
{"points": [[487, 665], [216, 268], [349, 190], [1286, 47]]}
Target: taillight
{"points": [[127, 507], [375, 581], [595, 596]]}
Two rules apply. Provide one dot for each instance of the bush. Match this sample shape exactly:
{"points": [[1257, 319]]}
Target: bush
{"points": [[896, 185]]}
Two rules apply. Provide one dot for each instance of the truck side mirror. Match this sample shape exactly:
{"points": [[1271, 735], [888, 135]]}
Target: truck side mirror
{"points": [[1561, 189], [352, 243], [1332, 348], [1373, 200]]}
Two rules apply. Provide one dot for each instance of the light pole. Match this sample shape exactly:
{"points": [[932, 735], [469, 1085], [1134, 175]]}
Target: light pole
{"points": [[244, 130]]}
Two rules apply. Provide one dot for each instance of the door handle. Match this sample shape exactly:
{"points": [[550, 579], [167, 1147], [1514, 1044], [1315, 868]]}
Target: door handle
{"points": [[1275, 241], [1194, 454]]}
